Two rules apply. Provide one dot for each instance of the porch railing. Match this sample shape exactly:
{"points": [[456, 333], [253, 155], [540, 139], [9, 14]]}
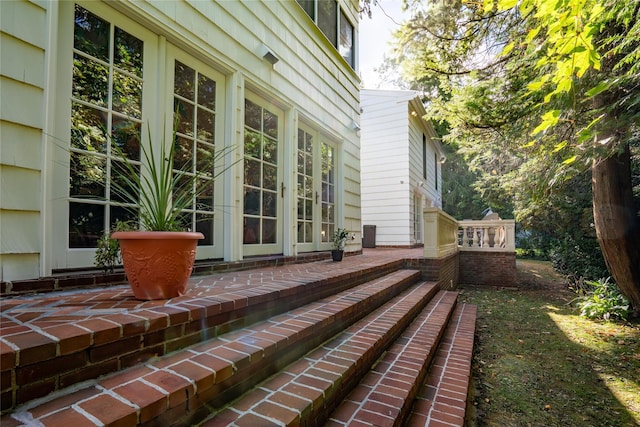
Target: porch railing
{"points": [[444, 235], [440, 233], [487, 235]]}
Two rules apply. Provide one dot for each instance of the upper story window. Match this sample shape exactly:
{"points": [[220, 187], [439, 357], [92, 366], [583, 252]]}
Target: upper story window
{"points": [[335, 25], [424, 156]]}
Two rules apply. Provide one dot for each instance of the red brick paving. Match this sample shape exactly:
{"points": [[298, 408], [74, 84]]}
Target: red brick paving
{"points": [[78, 335]]}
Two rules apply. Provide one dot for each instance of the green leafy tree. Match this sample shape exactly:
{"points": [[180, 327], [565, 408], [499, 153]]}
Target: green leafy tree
{"points": [[537, 93]]}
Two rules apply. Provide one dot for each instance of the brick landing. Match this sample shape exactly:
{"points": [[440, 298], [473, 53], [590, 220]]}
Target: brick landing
{"points": [[52, 341]]}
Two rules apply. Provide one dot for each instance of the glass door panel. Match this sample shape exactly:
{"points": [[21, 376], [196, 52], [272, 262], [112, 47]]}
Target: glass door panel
{"points": [[315, 191], [262, 201]]}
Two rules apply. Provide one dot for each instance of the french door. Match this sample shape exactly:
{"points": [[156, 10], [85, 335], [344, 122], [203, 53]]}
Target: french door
{"points": [[316, 190], [263, 185]]}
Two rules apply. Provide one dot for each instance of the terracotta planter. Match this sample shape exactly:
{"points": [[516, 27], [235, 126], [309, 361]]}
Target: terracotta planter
{"points": [[158, 264]]}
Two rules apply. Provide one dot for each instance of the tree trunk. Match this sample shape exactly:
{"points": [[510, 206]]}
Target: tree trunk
{"points": [[617, 224]]}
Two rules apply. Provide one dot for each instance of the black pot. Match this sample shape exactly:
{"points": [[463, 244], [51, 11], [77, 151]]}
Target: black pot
{"points": [[336, 254]]}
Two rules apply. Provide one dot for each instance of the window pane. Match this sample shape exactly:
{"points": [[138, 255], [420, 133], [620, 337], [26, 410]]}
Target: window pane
{"points": [[206, 92], [204, 159], [184, 79], [204, 200], [204, 224], [88, 175], [252, 115], [206, 125], [90, 80], [184, 110], [269, 231], [328, 20], [122, 188], [182, 154], [128, 52], [124, 214], [251, 201], [127, 95], [270, 177], [270, 124], [86, 224], [269, 200], [125, 135], [346, 39], [91, 34], [251, 231], [252, 172], [271, 150], [88, 127], [307, 5]]}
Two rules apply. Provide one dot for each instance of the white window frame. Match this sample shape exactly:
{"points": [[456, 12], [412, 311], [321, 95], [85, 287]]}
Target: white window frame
{"points": [[59, 138], [216, 250]]}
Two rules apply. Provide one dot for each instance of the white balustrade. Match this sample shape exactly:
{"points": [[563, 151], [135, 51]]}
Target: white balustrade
{"points": [[487, 235], [443, 235]]}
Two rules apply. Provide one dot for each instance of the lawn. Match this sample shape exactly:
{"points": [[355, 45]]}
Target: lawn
{"points": [[537, 363]]}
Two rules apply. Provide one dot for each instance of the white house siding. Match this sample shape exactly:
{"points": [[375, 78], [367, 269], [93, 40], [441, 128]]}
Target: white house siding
{"points": [[392, 173], [22, 55], [310, 83]]}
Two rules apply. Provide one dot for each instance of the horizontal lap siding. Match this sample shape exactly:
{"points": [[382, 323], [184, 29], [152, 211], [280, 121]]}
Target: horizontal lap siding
{"points": [[385, 175], [23, 39]]}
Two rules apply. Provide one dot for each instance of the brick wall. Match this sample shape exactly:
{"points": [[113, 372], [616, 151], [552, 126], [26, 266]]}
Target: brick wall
{"points": [[444, 271], [487, 268]]}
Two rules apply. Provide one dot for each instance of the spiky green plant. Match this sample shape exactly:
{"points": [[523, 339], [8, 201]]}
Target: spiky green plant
{"points": [[161, 194]]}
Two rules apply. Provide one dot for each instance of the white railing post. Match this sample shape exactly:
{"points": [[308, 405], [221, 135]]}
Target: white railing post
{"points": [[440, 233]]}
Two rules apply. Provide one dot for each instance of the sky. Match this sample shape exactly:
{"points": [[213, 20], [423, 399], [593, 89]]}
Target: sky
{"points": [[374, 38]]}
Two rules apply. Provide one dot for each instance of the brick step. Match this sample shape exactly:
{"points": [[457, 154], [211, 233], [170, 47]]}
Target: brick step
{"points": [[50, 342], [178, 387], [442, 399], [308, 390], [385, 396]]}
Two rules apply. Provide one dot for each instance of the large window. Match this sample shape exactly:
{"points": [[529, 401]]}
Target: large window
{"points": [[333, 22], [107, 124], [106, 117]]}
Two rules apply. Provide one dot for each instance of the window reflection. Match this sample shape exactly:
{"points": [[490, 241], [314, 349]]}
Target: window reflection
{"points": [[194, 103], [260, 174], [103, 54]]}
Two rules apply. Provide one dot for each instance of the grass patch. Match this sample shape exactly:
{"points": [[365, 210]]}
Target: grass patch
{"points": [[537, 363]]}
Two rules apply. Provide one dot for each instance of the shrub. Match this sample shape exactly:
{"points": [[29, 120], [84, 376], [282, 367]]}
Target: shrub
{"points": [[578, 258], [603, 300]]}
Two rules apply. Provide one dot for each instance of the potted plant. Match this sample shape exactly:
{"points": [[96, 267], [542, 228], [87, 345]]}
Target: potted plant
{"points": [[340, 236], [158, 259]]}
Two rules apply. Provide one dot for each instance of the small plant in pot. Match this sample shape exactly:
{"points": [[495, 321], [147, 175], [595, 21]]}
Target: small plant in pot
{"points": [[158, 259], [340, 236]]}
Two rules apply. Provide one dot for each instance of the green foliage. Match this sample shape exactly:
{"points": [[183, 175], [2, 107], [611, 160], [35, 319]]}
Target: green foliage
{"points": [[578, 258], [340, 236], [162, 194], [107, 254], [603, 300]]}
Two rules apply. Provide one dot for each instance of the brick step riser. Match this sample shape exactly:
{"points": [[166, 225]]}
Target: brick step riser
{"points": [[235, 386], [443, 395], [329, 398], [52, 367], [403, 366], [190, 398]]}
